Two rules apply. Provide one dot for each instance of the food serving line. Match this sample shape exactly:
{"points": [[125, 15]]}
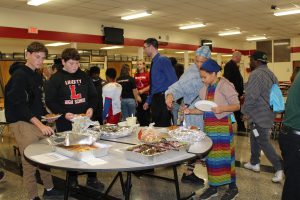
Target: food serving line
{"points": [[115, 158]]}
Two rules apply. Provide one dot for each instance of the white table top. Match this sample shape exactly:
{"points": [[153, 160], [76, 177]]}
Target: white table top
{"points": [[114, 161]]}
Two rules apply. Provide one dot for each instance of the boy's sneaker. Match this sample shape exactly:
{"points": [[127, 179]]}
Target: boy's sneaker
{"points": [[94, 183], [278, 176], [230, 194], [36, 198], [53, 194], [255, 168], [192, 178], [209, 193], [2, 175]]}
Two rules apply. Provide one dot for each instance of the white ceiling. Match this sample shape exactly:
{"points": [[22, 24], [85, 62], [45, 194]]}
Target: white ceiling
{"points": [[253, 17]]}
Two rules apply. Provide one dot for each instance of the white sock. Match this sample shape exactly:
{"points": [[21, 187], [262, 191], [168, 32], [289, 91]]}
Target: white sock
{"points": [[49, 189]]}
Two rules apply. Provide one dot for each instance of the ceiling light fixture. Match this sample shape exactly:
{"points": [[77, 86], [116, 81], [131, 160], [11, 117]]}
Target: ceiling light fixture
{"points": [[232, 32], [181, 52], [256, 38], [36, 2], [112, 47], [56, 44], [137, 15], [192, 26], [287, 12]]}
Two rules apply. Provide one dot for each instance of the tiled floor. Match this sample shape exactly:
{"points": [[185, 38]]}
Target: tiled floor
{"points": [[252, 186]]}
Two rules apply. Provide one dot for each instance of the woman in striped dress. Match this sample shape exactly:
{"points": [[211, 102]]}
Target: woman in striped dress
{"points": [[220, 161]]}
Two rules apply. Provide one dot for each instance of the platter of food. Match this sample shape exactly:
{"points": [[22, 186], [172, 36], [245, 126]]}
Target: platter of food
{"points": [[113, 131], [51, 116], [83, 152], [155, 152], [152, 135], [187, 135]]}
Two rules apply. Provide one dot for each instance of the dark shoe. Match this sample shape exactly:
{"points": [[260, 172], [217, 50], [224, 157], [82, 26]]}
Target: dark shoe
{"points": [[94, 183], [230, 194], [2, 176], [53, 194], [209, 193], [192, 178], [36, 198]]}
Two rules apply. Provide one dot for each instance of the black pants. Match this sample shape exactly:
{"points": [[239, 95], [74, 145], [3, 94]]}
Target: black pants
{"points": [[290, 150], [160, 114], [143, 116], [240, 124]]}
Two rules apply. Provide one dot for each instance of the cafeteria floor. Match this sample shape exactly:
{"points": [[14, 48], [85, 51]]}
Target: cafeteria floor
{"points": [[251, 185]]}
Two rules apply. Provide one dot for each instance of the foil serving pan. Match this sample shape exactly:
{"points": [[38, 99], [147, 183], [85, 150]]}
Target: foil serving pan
{"points": [[152, 158], [100, 151], [113, 131]]}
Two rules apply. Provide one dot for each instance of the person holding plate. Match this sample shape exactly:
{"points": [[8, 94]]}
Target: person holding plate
{"points": [[23, 111], [220, 161]]}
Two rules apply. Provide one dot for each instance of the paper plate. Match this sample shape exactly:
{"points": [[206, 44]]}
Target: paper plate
{"points": [[205, 105], [51, 117]]}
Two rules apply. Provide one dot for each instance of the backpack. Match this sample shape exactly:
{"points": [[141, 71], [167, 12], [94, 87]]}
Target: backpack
{"points": [[276, 100]]}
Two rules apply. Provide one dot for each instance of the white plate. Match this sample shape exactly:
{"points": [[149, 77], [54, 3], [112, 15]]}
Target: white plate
{"points": [[205, 105], [51, 118]]}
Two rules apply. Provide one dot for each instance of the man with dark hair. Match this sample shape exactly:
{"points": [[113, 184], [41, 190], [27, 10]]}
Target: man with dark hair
{"points": [[112, 98], [162, 75], [233, 74], [23, 111], [98, 83], [70, 92], [260, 116]]}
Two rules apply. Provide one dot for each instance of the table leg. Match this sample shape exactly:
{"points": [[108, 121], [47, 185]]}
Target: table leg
{"points": [[122, 183], [67, 186], [112, 183], [128, 186], [177, 186], [176, 182]]}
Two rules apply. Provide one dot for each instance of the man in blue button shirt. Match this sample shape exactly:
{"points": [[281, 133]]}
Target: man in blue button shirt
{"points": [[162, 75]]}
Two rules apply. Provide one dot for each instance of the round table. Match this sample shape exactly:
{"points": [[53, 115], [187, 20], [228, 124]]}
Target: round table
{"points": [[114, 161]]}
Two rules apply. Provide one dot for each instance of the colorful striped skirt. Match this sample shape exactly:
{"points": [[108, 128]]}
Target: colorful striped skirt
{"points": [[220, 161]]}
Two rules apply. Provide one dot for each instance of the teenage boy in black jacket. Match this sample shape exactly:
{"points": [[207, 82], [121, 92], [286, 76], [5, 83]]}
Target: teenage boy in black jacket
{"points": [[23, 111], [68, 92]]}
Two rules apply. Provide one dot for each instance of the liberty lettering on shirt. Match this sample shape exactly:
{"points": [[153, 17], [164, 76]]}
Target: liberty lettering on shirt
{"points": [[75, 98]]}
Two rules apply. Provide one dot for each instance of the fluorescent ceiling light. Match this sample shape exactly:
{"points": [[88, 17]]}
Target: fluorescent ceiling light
{"points": [[207, 43], [256, 38], [112, 47], [225, 33], [56, 44], [159, 49], [36, 2], [287, 12], [181, 52], [281, 43], [227, 55], [137, 15], [214, 53], [192, 26]]}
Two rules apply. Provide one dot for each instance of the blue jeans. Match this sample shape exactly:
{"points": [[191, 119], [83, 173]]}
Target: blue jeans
{"points": [[128, 108]]}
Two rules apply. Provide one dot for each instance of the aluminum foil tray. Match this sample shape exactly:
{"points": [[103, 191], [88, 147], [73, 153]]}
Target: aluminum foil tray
{"points": [[153, 158], [100, 151], [113, 131]]}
